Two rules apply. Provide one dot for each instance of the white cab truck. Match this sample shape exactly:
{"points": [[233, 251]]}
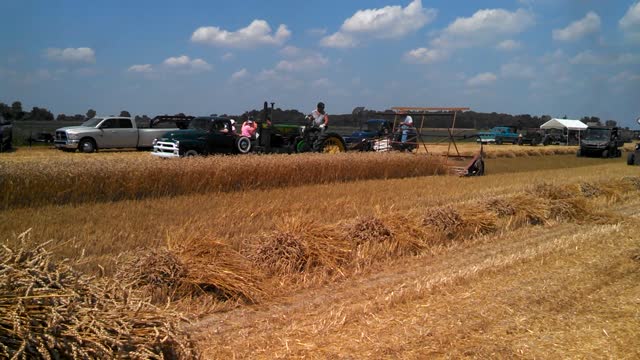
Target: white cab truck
{"points": [[115, 132]]}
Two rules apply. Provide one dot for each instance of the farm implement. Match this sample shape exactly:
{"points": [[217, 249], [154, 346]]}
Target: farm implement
{"points": [[404, 129]]}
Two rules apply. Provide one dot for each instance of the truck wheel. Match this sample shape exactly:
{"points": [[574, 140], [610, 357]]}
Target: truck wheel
{"points": [[191, 153], [605, 153], [87, 146], [243, 145], [631, 159], [579, 153], [498, 141]]}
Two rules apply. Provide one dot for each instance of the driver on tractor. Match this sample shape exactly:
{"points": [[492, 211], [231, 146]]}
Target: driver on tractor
{"points": [[319, 119]]}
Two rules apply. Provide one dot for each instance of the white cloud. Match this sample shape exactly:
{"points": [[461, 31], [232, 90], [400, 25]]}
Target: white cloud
{"points": [[240, 74], [425, 56], [517, 71], [588, 57], [290, 51], [483, 27], [482, 79], [630, 23], [78, 55], [144, 68], [578, 29], [303, 64], [227, 56], [257, 33], [339, 40], [631, 18], [509, 45], [322, 82], [184, 63], [389, 22], [624, 77]]}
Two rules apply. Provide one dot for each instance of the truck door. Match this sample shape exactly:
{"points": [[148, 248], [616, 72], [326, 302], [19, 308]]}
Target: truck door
{"points": [[222, 139], [118, 133]]}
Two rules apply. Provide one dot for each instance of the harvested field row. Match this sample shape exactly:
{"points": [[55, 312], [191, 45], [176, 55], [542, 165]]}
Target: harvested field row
{"points": [[94, 179], [300, 254]]}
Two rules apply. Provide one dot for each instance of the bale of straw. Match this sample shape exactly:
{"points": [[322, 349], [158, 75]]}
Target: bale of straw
{"points": [[373, 239], [500, 206], [529, 210], [459, 223], [189, 269], [48, 310], [298, 246]]}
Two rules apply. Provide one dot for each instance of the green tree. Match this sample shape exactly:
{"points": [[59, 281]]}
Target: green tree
{"points": [[91, 114], [125, 113]]}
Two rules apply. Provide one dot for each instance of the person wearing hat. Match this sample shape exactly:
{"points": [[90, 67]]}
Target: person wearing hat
{"points": [[249, 128], [319, 117], [233, 126]]}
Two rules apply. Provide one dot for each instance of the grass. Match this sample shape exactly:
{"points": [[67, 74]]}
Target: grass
{"points": [[261, 245]]}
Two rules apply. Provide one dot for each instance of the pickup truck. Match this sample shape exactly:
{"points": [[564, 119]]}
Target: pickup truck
{"points": [[115, 132], [498, 135], [6, 134]]}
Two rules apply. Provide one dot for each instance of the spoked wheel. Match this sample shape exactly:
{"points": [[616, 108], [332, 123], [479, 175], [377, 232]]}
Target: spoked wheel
{"points": [[243, 145], [330, 143]]}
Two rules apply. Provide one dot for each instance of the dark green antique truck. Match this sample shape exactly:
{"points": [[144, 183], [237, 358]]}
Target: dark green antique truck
{"points": [[214, 135]]}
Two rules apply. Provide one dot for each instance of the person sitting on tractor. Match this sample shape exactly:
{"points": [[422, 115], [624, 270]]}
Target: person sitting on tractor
{"points": [[319, 118], [249, 128], [406, 126]]}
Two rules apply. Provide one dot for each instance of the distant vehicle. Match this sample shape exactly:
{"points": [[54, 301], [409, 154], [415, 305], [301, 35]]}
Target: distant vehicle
{"points": [[531, 137], [116, 132], [6, 134], [372, 138], [213, 135], [554, 137], [499, 135], [601, 141]]}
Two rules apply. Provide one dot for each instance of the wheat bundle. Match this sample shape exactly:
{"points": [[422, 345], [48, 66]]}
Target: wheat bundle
{"points": [[589, 190], [214, 267], [572, 209], [464, 222], [48, 310], [551, 191], [529, 210], [500, 206], [633, 181], [299, 247]]}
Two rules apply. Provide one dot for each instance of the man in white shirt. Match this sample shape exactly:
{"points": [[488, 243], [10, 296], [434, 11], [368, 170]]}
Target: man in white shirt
{"points": [[319, 118]]}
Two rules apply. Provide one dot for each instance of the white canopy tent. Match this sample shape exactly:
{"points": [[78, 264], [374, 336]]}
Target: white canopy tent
{"points": [[575, 125]]}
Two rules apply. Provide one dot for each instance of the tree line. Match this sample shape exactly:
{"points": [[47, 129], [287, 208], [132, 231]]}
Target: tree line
{"points": [[467, 119]]}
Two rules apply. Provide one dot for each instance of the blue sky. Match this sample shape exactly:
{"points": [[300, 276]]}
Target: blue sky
{"points": [[556, 57]]}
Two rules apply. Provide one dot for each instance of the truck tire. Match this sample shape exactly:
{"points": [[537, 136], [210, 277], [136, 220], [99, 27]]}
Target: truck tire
{"points": [[579, 153], [243, 145], [498, 141], [191, 153], [631, 159], [87, 145], [605, 153], [329, 143]]}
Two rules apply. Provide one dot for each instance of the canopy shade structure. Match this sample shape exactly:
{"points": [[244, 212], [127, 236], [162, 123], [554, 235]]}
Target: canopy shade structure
{"points": [[564, 124]]}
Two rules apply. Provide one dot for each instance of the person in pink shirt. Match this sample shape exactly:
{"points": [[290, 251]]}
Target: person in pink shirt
{"points": [[249, 128]]}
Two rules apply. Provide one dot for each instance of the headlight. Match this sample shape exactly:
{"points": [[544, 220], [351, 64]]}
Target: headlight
{"points": [[155, 141], [177, 143], [72, 136]]}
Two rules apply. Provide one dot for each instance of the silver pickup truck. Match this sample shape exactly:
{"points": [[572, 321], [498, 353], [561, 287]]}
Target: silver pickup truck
{"points": [[113, 132]]}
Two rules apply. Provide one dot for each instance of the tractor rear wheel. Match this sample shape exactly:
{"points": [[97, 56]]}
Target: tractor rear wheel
{"points": [[330, 143]]}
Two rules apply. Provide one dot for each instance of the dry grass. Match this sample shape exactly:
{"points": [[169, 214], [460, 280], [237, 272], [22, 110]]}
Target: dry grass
{"points": [[98, 179], [48, 310]]}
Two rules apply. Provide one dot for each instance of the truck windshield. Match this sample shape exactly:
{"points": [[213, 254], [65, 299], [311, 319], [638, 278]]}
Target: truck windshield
{"points": [[597, 134], [92, 122], [199, 123]]}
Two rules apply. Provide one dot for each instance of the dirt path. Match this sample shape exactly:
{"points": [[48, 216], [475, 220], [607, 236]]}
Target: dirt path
{"points": [[535, 292]]}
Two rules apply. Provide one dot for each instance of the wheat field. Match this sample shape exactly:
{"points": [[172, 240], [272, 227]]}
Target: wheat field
{"points": [[380, 264]]}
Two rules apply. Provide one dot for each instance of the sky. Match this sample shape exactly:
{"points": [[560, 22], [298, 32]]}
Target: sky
{"points": [[540, 57]]}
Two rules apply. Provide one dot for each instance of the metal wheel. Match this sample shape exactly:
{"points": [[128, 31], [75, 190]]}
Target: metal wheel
{"points": [[333, 145], [87, 146]]}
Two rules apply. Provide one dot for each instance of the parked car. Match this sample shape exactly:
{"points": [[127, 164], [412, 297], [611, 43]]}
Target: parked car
{"points": [[6, 134], [115, 132], [531, 137], [499, 135], [601, 142]]}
